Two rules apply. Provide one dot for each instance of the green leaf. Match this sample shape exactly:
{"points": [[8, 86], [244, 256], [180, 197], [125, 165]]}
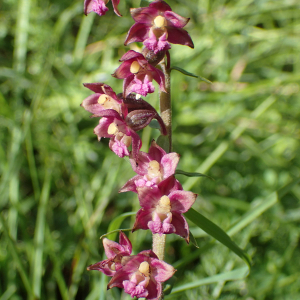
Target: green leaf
{"points": [[215, 231], [192, 174], [193, 240], [169, 285], [237, 274], [190, 74], [116, 223]]}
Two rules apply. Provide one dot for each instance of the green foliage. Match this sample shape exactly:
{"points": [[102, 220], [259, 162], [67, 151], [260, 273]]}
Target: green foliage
{"points": [[59, 185]]}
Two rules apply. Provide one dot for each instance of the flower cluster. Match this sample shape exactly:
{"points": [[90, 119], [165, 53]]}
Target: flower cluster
{"points": [[161, 196], [139, 275]]}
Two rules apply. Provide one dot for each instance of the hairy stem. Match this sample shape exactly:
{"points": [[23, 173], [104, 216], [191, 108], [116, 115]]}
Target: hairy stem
{"points": [[158, 245]]}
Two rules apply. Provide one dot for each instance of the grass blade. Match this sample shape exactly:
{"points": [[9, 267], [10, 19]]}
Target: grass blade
{"points": [[39, 237], [15, 255], [237, 274]]}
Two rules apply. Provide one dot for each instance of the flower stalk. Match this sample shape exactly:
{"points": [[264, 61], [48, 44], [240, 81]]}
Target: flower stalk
{"points": [[159, 241]]}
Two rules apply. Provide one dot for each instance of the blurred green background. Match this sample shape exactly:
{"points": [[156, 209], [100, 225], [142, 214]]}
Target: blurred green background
{"points": [[59, 185]]}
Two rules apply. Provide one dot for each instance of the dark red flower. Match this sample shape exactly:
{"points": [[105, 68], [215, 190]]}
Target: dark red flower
{"points": [[142, 276], [152, 168], [117, 255], [157, 26], [138, 74], [98, 6], [162, 208]]}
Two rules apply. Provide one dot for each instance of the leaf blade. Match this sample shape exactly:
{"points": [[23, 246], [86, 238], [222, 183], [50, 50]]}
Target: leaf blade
{"points": [[192, 174], [216, 232], [190, 74]]}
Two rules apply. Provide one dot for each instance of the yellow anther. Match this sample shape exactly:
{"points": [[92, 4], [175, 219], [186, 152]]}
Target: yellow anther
{"points": [[160, 22], [163, 207], [154, 165], [135, 67], [153, 169], [108, 102], [112, 129], [113, 266], [144, 268], [127, 140], [103, 98], [165, 201]]}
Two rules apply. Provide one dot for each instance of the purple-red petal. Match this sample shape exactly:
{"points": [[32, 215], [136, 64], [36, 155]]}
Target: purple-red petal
{"points": [[125, 242], [101, 129], [129, 186], [179, 36], [165, 271], [181, 225], [142, 219], [101, 88], [144, 15], [140, 163], [112, 248], [136, 143], [156, 152], [149, 196], [131, 54], [182, 200], [169, 185], [123, 71], [115, 4], [175, 19], [160, 5], [137, 33], [169, 163]]}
